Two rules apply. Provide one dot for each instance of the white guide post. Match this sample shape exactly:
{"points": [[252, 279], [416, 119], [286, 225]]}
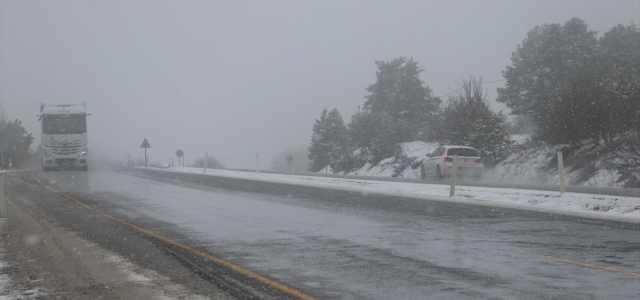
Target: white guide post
{"points": [[454, 171], [3, 207], [206, 154], [561, 172], [257, 164]]}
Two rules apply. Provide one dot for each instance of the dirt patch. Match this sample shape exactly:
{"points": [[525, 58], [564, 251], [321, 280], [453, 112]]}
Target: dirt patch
{"points": [[45, 261]]}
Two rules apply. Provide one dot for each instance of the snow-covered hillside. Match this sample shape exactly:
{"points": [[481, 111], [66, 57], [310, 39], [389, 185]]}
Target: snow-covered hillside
{"points": [[407, 165], [529, 163], [533, 162]]}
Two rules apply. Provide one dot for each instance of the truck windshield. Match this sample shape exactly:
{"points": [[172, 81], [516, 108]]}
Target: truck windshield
{"points": [[64, 124]]}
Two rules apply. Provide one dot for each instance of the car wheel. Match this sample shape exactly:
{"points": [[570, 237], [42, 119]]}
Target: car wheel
{"points": [[438, 173], [423, 173]]}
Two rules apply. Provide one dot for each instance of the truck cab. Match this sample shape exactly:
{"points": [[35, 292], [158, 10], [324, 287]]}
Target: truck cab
{"points": [[64, 136]]}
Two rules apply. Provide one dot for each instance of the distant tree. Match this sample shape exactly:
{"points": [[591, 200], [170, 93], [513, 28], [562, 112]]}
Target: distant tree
{"points": [[626, 152], [521, 124], [621, 46], [399, 108], [212, 163], [401, 97], [620, 52], [15, 143], [546, 78], [130, 160], [329, 133], [469, 121], [376, 133], [300, 159]]}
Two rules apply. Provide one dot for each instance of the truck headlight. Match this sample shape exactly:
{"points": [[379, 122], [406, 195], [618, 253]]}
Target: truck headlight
{"points": [[83, 154], [46, 153]]}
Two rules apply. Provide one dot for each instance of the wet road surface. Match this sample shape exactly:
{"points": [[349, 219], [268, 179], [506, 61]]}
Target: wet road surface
{"points": [[343, 245]]}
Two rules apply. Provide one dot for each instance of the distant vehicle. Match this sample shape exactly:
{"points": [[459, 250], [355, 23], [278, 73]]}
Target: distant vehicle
{"points": [[64, 135], [439, 163]]}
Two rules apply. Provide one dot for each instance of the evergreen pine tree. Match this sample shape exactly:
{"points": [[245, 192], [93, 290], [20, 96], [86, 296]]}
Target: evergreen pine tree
{"points": [[329, 134], [469, 121]]}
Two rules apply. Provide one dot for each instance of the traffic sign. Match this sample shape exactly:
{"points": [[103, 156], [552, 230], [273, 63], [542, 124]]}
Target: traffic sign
{"points": [[180, 156], [145, 144]]}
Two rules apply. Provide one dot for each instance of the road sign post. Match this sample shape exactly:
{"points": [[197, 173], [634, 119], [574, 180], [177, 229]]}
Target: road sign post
{"points": [[454, 171], [289, 160], [145, 145], [206, 155], [180, 155]]}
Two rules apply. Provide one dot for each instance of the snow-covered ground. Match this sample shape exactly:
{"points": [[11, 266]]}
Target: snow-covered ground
{"points": [[578, 204], [536, 163], [529, 163], [414, 152], [9, 291]]}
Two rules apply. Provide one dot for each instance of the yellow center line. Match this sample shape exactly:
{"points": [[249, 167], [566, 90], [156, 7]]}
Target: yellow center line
{"points": [[289, 290], [573, 262]]}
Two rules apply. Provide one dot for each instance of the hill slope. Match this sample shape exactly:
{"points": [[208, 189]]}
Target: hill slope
{"points": [[529, 163]]}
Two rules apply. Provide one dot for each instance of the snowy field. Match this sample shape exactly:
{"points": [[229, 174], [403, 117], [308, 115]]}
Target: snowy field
{"points": [[575, 204]]}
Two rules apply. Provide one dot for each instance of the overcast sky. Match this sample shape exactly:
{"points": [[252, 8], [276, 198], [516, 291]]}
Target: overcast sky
{"points": [[236, 78]]}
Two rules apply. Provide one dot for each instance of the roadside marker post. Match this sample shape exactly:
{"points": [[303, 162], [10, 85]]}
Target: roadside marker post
{"points": [[561, 172], [3, 207], [454, 171], [257, 164], [204, 171]]}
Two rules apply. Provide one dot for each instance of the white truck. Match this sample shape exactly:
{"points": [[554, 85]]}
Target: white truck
{"points": [[64, 135]]}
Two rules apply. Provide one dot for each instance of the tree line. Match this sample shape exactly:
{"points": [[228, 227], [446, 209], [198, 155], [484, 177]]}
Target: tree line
{"points": [[15, 143], [572, 86]]}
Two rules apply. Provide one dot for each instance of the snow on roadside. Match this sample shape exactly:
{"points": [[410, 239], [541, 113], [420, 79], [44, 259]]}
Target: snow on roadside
{"points": [[585, 205], [8, 291], [531, 165], [152, 278], [413, 151]]}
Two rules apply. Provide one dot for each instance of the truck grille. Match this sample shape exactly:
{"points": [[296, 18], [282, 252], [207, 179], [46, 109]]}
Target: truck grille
{"points": [[61, 148], [65, 161]]}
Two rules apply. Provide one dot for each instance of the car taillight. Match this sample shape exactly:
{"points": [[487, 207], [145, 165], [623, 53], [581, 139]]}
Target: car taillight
{"points": [[448, 159], [478, 161]]}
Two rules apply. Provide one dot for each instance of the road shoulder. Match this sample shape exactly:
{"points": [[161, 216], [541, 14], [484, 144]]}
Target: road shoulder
{"points": [[49, 261]]}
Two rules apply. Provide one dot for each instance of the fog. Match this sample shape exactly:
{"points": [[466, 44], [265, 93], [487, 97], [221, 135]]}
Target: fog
{"points": [[238, 78]]}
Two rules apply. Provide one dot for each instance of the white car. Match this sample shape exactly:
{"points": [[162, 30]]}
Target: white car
{"points": [[439, 162]]}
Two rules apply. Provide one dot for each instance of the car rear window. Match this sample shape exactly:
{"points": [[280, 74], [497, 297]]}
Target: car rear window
{"points": [[463, 152]]}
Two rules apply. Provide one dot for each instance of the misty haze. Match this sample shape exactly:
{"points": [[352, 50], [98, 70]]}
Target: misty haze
{"points": [[319, 149]]}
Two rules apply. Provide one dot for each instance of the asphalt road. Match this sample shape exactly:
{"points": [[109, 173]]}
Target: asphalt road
{"points": [[334, 244]]}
